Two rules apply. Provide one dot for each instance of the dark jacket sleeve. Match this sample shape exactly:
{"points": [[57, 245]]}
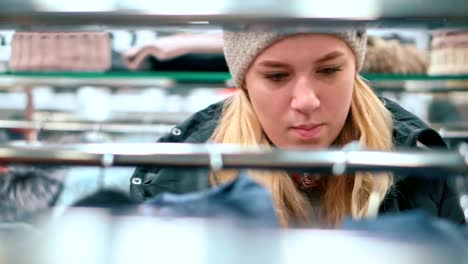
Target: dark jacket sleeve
{"points": [[153, 182], [148, 181], [449, 204], [144, 176], [436, 196]]}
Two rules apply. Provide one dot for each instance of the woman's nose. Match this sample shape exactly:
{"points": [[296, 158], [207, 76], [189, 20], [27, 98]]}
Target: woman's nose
{"points": [[304, 97]]}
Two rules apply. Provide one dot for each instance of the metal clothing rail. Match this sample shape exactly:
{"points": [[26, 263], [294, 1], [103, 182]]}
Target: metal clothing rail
{"points": [[438, 163], [83, 127], [20, 82], [453, 134], [233, 13]]}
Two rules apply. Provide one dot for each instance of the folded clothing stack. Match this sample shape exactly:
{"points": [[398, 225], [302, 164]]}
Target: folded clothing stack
{"points": [[391, 56], [449, 53], [61, 51], [189, 52]]}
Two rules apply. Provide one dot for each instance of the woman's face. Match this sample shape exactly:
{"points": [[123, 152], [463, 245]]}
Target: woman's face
{"points": [[301, 89]]}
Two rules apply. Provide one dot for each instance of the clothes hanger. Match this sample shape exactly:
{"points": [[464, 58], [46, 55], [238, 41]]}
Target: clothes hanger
{"points": [[107, 160], [216, 164]]}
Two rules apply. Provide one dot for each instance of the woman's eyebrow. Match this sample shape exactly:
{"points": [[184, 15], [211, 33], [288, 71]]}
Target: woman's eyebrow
{"points": [[273, 64], [330, 56], [278, 64]]}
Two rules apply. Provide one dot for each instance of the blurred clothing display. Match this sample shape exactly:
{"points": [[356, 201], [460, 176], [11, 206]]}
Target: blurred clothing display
{"points": [[311, 163], [391, 56], [61, 51], [187, 62], [171, 47], [449, 52], [242, 201], [441, 110], [26, 191], [417, 227]]}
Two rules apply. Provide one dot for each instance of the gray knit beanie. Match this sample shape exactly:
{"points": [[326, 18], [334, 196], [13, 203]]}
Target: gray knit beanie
{"points": [[242, 47]]}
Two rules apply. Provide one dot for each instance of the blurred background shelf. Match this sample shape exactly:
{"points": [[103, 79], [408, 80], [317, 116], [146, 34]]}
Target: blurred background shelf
{"points": [[413, 77], [119, 78]]}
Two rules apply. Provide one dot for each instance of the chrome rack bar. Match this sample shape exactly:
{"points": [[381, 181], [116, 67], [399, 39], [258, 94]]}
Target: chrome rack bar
{"points": [[83, 127], [441, 163], [61, 81], [233, 13], [453, 134]]}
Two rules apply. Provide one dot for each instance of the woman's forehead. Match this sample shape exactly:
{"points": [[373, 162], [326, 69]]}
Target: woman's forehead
{"points": [[315, 47]]}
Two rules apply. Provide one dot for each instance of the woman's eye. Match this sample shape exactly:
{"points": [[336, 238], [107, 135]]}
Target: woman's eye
{"points": [[276, 76], [330, 70]]}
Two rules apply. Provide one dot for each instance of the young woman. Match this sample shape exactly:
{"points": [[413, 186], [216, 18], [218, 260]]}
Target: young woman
{"points": [[302, 90]]}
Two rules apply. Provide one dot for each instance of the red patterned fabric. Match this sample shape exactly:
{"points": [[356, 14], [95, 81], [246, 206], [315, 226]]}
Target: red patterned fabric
{"points": [[306, 181]]}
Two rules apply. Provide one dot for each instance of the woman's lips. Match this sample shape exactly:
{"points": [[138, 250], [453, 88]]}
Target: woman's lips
{"points": [[308, 131]]}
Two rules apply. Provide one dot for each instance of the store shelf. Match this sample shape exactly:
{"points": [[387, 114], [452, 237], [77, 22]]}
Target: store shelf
{"points": [[73, 79], [115, 79], [413, 77], [418, 83], [163, 78], [128, 13]]}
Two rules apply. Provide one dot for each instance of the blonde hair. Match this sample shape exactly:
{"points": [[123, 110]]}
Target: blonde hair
{"points": [[353, 195]]}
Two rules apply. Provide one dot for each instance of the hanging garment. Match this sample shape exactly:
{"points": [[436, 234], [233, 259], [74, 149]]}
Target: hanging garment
{"points": [[242, 200], [25, 191], [417, 226]]}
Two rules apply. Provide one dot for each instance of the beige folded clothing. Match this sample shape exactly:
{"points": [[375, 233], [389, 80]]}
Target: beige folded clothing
{"points": [[61, 51], [166, 48], [393, 57], [449, 54]]}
